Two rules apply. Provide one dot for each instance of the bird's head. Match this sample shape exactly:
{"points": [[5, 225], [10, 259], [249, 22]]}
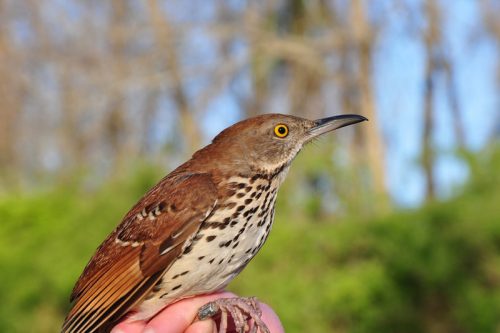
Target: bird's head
{"points": [[270, 141]]}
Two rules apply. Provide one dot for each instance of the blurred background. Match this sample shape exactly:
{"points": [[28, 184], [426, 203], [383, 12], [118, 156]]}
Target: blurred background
{"points": [[388, 226]]}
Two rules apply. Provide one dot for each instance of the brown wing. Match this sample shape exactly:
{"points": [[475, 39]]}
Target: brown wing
{"points": [[134, 257]]}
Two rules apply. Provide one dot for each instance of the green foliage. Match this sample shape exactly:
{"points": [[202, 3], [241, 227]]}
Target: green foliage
{"points": [[45, 241], [432, 270]]}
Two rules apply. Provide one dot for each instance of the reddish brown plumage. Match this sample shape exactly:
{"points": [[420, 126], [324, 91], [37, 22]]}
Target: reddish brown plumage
{"points": [[166, 222], [188, 198]]}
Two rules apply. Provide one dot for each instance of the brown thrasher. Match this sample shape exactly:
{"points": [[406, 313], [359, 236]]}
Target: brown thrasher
{"points": [[195, 230]]}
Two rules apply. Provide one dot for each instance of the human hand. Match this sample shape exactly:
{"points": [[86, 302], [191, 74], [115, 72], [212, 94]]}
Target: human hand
{"points": [[180, 318]]}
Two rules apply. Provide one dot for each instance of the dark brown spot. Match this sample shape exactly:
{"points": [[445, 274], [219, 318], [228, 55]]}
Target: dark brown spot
{"points": [[188, 249], [177, 287], [250, 212], [278, 171], [211, 260], [225, 244], [240, 195], [161, 206], [248, 188], [236, 244], [241, 185], [247, 201], [184, 273], [211, 238], [149, 207], [240, 208], [157, 286], [231, 205], [200, 258], [221, 261], [233, 223]]}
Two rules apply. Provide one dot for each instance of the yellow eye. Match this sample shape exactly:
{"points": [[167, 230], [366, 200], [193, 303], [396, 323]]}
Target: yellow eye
{"points": [[281, 131]]}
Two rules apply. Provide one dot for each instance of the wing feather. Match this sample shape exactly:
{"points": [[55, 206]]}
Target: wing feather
{"points": [[131, 260]]}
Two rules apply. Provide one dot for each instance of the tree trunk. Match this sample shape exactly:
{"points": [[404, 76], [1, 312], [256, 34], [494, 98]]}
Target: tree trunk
{"points": [[373, 144], [431, 40], [166, 38]]}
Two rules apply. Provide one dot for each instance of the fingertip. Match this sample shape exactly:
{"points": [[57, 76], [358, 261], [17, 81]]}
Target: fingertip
{"points": [[117, 330], [271, 319], [129, 327], [180, 315]]}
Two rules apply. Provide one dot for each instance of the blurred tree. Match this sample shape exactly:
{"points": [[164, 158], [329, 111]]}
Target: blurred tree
{"points": [[490, 11], [433, 58], [364, 36], [11, 96], [167, 39], [86, 85], [438, 63]]}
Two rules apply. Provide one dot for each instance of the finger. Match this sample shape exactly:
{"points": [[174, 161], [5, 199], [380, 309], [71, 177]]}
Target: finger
{"points": [[129, 327], [203, 326], [271, 319], [176, 318]]}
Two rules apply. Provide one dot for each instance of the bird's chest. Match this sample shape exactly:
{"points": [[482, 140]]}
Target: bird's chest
{"points": [[238, 227], [226, 241]]}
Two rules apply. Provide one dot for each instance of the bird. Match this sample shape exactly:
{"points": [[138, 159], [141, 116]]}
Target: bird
{"points": [[197, 229]]}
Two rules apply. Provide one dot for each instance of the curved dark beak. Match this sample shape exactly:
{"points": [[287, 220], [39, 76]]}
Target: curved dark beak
{"points": [[332, 123]]}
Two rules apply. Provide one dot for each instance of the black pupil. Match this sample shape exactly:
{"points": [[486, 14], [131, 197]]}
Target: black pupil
{"points": [[281, 130]]}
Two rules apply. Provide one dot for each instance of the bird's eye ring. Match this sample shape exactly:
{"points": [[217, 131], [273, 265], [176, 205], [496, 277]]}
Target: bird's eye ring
{"points": [[281, 131]]}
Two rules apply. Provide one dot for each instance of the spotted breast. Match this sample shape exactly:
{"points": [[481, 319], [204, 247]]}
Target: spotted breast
{"points": [[227, 240]]}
